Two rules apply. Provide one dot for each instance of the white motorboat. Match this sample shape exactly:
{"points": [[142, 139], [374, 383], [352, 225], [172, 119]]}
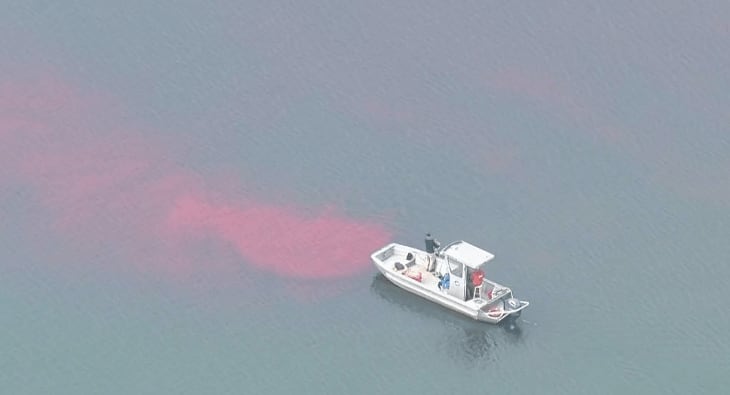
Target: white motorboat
{"points": [[452, 276]]}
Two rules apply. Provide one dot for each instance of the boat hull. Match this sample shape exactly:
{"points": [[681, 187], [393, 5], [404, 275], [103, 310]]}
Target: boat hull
{"points": [[443, 300]]}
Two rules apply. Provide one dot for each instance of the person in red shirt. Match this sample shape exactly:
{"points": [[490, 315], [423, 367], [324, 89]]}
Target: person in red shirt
{"points": [[477, 277]]}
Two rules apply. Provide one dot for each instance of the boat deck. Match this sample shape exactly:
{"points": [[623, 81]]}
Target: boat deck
{"points": [[391, 256]]}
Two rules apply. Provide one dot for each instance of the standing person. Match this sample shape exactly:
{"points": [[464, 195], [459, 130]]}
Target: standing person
{"points": [[432, 245]]}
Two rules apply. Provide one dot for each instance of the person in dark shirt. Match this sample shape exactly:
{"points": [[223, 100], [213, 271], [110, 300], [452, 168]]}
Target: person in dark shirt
{"points": [[431, 244]]}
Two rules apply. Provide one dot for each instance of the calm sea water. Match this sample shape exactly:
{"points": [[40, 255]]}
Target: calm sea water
{"points": [[189, 194]]}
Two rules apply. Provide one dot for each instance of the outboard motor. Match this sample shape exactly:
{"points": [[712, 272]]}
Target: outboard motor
{"points": [[511, 320], [513, 304]]}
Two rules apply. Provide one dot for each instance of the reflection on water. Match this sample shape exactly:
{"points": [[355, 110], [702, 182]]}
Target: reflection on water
{"points": [[466, 338]]}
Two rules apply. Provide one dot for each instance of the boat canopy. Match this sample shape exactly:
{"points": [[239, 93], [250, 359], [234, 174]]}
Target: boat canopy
{"points": [[468, 254]]}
